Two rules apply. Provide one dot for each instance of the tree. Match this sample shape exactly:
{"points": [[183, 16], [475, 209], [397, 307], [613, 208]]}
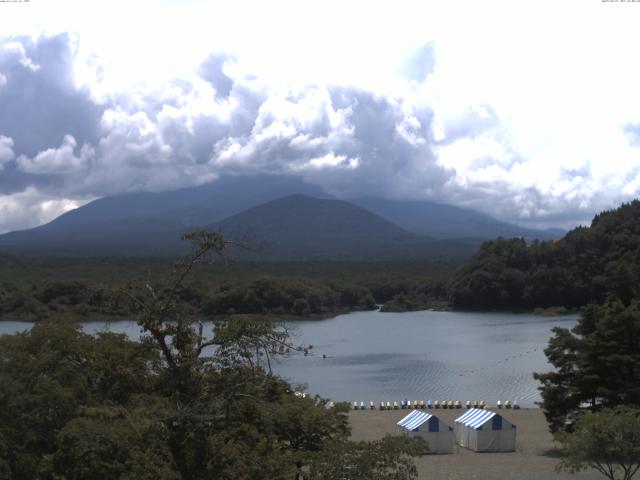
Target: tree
{"points": [[233, 418], [386, 459], [596, 363], [608, 441]]}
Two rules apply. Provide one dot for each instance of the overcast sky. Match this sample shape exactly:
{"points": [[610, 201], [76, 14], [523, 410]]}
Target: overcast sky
{"points": [[526, 110]]}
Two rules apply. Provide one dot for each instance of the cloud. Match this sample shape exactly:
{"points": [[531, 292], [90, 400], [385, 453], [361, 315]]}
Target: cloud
{"points": [[58, 161], [18, 51], [32, 207], [40, 101], [6, 151], [60, 142], [633, 133], [421, 64], [212, 70]]}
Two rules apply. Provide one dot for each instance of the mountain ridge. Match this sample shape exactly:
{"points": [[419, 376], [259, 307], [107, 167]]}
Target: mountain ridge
{"points": [[151, 223]]}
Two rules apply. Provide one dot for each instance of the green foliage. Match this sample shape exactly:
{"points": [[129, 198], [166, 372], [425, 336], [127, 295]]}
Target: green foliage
{"points": [[596, 363], [587, 265], [104, 443], [608, 441], [386, 459], [48, 374]]}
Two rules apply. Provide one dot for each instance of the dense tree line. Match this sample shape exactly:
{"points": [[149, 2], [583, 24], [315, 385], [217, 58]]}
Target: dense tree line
{"points": [[266, 295], [284, 296], [34, 287], [586, 266], [410, 296]]}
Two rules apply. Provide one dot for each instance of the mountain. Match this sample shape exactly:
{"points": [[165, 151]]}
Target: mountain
{"points": [[151, 223], [148, 223], [188, 207], [301, 227], [446, 221], [295, 227]]}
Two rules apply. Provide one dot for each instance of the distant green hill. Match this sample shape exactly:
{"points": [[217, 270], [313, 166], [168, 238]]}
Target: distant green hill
{"points": [[587, 265]]}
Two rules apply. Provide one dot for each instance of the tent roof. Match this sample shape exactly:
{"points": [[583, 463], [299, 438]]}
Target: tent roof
{"points": [[475, 418], [414, 420]]}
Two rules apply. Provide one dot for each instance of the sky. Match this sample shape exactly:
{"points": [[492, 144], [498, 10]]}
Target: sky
{"points": [[527, 111]]}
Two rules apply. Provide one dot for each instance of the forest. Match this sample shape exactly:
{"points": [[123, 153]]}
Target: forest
{"points": [[36, 287], [588, 265]]}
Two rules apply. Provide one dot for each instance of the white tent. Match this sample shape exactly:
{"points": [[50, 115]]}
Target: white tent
{"points": [[438, 434], [485, 431]]}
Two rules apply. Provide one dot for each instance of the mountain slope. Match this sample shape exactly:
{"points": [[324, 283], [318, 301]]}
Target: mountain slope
{"points": [[446, 221], [151, 223], [302, 227], [189, 206]]}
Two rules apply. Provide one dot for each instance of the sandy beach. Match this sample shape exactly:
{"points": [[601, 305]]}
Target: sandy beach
{"points": [[534, 458]]}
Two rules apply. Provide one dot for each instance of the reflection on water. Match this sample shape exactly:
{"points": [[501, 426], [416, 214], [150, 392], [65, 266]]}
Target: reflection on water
{"points": [[420, 355], [424, 355]]}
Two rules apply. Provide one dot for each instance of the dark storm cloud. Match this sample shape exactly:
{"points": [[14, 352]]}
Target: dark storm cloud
{"points": [[39, 103], [393, 145], [347, 140]]}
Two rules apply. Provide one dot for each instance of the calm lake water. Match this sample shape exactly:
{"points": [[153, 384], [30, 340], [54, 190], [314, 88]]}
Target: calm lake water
{"points": [[420, 355]]}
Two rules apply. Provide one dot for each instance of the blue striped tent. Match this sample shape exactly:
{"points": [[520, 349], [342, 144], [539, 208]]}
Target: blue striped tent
{"points": [[439, 435], [485, 431]]}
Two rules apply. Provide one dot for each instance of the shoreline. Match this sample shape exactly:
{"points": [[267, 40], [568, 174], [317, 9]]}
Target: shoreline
{"points": [[286, 317]]}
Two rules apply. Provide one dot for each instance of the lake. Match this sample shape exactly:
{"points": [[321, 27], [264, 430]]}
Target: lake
{"points": [[419, 355]]}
